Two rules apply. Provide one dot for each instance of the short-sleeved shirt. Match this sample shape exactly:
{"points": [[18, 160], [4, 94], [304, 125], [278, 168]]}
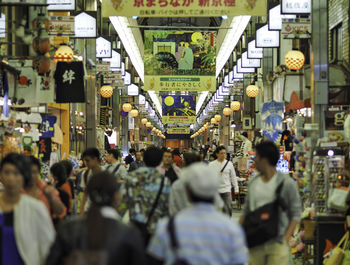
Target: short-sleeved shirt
{"points": [[205, 237], [119, 173], [141, 189]]}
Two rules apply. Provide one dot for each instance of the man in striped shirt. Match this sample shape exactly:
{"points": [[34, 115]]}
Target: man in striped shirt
{"points": [[204, 235]]}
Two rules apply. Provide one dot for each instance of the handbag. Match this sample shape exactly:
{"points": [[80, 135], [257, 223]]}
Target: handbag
{"points": [[336, 255], [337, 199], [262, 224], [174, 242]]}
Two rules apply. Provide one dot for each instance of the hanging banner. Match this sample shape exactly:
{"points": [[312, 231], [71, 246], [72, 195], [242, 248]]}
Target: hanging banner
{"points": [[178, 109], [183, 8], [178, 131], [61, 25], [180, 61], [296, 29]]}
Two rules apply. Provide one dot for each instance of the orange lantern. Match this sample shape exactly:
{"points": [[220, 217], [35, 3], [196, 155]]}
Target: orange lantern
{"points": [[144, 121], [106, 91], [154, 129], [127, 107], [235, 105], [227, 111], [294, 60], [217, 117], [64, 54], [134, 113], [213, 121], [41, 64], [252, 91]]}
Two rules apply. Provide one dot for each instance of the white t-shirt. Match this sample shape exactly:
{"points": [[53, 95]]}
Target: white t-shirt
{"points": [[264, 192], [84, 185], [227, 178]]}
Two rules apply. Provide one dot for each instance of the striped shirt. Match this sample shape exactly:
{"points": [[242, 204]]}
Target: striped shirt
{"points": [[205, 236]]}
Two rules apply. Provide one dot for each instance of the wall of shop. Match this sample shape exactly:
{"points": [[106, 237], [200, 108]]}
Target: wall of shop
{"points": [[339, 17]]}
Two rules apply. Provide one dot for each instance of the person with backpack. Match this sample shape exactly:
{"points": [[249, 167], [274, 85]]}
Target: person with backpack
{"points": [[227, 178], [99, 237], [92, 161], [199, 234], [272, 209], [115, 167]]}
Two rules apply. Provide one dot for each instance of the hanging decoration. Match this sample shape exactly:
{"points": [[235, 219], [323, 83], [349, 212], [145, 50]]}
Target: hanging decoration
{"points": [[148, 124], [64, 54], [134, 113], [227, 111], [106, 91], [127, 107], [235, 105], [252, 91], [217, 117], [213, 121], [294, 60], [144, 121]]}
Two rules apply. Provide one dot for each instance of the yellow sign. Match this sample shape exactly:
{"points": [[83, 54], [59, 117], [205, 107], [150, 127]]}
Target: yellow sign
{"points": [[183, 8], [179, 119], [178, 131]]}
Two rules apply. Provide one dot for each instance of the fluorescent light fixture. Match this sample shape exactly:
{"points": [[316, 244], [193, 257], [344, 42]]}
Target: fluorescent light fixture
{"points": [[224, 17], [250, 63], [254, 52], [123, 69], [242, 70], [2, 25], [200, 100], [237, 27], [156, 101], [266, 38]]}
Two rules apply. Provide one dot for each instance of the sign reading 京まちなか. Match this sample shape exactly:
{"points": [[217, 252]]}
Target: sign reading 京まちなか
{"points": [[178, 109], [183, 8], [178, 131], [180, 60]]}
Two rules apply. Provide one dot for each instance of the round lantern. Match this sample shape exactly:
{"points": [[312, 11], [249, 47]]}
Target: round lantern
{"points": [[41, 45], [252, 91], [41, 64], [148, 124], [106, 91], [235, 105], [154, 129], [134, 113], [213, 121], [227, 111], [144, 121], [217, 117], [127, 107], [64, 54], [294, 60]]}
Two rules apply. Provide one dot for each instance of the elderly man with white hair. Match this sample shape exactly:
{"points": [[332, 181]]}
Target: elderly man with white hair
{"points": [[199, 234]]}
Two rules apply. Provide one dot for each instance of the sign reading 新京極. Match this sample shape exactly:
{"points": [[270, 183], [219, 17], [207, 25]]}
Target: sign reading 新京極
{"points": [[183, 8]]}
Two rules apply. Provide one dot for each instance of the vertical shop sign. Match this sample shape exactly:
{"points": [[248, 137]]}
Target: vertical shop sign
{"points": [[2, 25], [61, 5], [103, 48], [45, 149], [178, 109], [296, 6], [266, 38], [254, 52], [180, 61], [85, 25]]}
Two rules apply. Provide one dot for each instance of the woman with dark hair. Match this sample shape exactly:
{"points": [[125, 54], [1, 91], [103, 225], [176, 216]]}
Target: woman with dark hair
{"points": [[26, 230], [59, 174], [99, 234]]}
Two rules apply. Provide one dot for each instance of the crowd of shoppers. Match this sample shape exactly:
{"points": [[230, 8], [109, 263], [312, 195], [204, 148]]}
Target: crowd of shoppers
{"points": [[162, 208]]}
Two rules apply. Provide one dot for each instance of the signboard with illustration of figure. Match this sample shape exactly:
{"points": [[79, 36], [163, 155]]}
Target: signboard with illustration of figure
{"points": [[180, 60], [183, 8], [178, 109]]}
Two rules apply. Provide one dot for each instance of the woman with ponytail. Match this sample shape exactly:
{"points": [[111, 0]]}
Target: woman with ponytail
{"points": [[99, 237]]}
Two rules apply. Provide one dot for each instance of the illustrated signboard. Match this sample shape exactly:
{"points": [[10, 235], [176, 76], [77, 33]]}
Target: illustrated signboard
{"points": [[178, 131], [183, 8], [296, 29], [61, 25], [180, 60], [178, 109]]}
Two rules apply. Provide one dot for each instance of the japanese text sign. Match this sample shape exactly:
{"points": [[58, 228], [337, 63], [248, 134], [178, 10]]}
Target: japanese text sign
{"points": [[183, 8], [296, 29], [178, 131], [178, 109]]}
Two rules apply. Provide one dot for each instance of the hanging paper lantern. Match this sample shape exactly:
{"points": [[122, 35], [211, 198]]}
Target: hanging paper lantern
{"points": [[217, 117], [227, 111], [235, 105], [134, 113], [41, 45], [106, 91], [144, 121], [127, 107], [252, 91], [64, 54], [148, 124], [41, 64], [213, 121], [294, 60], [154, 129]]}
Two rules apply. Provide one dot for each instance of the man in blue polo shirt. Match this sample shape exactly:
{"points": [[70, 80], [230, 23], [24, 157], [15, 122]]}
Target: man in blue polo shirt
{"points": [[204, 235]]}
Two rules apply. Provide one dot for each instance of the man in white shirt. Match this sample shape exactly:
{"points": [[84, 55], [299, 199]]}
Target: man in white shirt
{"points": [[227, 178], [115, 167]]}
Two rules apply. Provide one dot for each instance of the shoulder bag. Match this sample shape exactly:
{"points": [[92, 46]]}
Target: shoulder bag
{"points": [[222, 170], [262, 224], [174, 242], [336, 255]]}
